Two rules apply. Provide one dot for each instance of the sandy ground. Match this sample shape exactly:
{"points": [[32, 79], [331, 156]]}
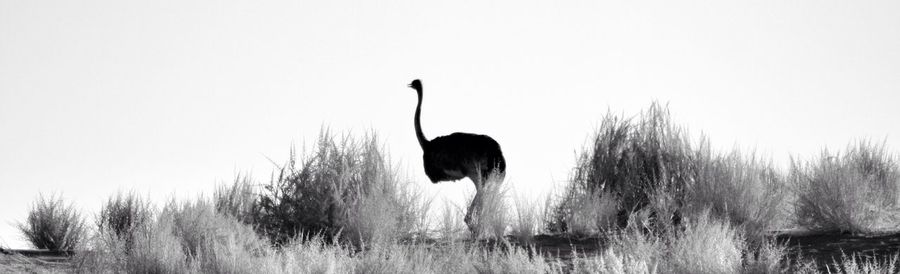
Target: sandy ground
{"points": [[16, 263]]}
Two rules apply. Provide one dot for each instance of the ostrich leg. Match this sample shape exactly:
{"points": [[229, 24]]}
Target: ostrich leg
{"points": [[473, 215]]}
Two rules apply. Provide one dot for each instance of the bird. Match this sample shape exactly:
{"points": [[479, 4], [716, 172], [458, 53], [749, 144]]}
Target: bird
{"points": [[460, 155]]}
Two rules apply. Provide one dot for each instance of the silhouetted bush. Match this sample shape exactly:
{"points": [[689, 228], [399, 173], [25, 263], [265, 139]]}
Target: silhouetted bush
{"points": [[857, 191], [53, 225]]}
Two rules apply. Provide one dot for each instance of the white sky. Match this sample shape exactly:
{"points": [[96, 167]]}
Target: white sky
{"points": [[173, 97]]}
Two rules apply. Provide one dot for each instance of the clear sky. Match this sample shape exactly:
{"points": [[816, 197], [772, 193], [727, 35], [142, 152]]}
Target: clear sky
{"points": [[173, 97]]}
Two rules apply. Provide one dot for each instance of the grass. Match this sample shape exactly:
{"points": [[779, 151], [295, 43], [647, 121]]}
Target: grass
{"points": [[239, 200], [528, 219], [187, 237], [704, 245], [632, 159], [657, 200], [741, 188], [345, 188], [191, 237], [650, 165], [53, 225], [856, 264], [857, 191], [122, 216], [491, 219]]}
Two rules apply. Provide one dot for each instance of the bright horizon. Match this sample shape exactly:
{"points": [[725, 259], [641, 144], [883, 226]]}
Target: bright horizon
{"points": [[171, 98]]}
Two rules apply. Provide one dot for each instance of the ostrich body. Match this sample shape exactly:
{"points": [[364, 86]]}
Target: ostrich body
{"points": [[459, 155]]}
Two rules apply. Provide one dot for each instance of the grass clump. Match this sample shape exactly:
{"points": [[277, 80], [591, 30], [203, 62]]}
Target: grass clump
{"points": [[184, 238], [857, 191], [702, 245], [53, 225], [632, 160], [650, 166], [344, 187], [857, 264], [706, 245], [122, 216], [590, 214], [528, 220], [239, 200], [192, 238], [743, 189]]}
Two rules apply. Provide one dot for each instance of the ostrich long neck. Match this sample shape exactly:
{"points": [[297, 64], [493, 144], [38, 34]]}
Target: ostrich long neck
{"points": [[418, 122]]}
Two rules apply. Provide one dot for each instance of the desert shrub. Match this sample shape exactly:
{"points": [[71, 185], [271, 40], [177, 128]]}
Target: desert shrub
{"points": [[53, 225], [332, 191], [122, 215], [743, 189], [632, 159], [239, 200], [857, 191]]}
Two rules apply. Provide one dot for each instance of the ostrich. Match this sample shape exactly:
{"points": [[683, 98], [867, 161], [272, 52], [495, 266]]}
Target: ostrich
{"points": [[459, 155]]}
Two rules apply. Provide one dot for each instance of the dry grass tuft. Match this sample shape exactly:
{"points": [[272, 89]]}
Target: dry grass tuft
{"points": [[53, 225], [857, 191], [740, 188], [345, 188]]}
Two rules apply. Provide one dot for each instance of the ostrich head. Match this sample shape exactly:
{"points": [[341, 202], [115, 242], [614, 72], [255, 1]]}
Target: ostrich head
{"points": [[416, 84]]}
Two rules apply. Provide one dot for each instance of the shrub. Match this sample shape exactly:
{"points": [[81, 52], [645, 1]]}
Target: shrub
{"points": [[122, 215], [53, 225], [857, 191], [330, 192]]}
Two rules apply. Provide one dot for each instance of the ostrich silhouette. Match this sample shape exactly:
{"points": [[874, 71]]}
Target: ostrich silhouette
{"points": [[460, 155]]}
